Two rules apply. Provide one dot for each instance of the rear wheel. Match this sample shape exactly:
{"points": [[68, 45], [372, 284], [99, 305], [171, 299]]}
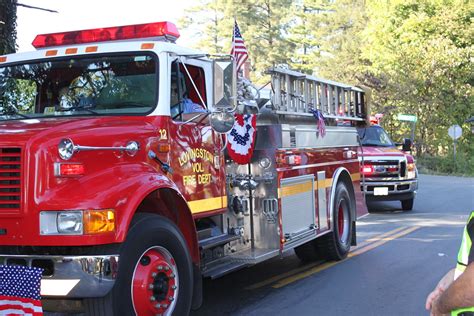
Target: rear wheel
{"points": [[155, 272], [407, 205], [335, 245]]}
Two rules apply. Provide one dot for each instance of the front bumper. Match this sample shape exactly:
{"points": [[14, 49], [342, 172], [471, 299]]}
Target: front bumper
{"points": [[397, 190], [71, 276]]}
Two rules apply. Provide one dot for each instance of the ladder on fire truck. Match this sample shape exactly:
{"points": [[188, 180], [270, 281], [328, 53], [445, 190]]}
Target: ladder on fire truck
{"points": [[297, 94]]}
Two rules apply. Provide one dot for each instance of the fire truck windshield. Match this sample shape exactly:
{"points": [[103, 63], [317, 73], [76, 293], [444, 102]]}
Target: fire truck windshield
{"points": [[374, 136], [99, 85]]}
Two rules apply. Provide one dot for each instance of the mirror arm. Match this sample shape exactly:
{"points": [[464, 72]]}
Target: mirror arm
{"points": [[192, 82], [196, 116]]}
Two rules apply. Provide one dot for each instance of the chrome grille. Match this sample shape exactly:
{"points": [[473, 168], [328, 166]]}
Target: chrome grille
{"points": [[10, 180], [386, 169]]}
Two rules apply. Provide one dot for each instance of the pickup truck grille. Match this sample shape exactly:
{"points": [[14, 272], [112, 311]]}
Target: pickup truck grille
{"points": [[387, 168], [10, 180]]}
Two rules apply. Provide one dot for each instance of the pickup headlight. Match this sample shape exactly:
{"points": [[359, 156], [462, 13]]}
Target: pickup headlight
{"points": [[77, 222], [411, 171]]}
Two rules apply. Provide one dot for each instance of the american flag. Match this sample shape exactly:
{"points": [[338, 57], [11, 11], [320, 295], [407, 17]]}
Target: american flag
{"points": [[20, 290], [320, 121], [239, 51]]}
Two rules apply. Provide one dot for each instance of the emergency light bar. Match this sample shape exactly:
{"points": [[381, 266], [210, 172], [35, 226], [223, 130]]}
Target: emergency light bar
{"points": [[158, 29]]}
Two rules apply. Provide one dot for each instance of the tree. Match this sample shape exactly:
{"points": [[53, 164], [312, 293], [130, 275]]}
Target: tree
{"points": [[422, 51], [208, 21], [7, 26], [263, 24]]}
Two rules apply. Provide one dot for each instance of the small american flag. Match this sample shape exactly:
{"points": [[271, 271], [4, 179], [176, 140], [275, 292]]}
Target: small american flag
{"points": [[320, 120], [20, 290], [239, 51]]}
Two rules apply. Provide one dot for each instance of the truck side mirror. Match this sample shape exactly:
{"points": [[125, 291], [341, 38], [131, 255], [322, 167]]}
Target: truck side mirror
{"points": [[224, 84], [222, 121], [406, 144]]}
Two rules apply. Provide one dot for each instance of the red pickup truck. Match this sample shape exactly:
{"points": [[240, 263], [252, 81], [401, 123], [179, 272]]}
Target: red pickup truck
{"points": [[388, 174]]}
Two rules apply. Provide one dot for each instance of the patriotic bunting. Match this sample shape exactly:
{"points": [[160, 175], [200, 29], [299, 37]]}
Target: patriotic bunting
{"points": [[241, 138]]}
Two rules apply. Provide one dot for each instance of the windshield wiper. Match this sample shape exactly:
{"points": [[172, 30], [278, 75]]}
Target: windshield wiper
{"points": [[17, 114]]}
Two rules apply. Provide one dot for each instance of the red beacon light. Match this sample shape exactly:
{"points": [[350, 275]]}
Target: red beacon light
{"points": [[163, 30]]}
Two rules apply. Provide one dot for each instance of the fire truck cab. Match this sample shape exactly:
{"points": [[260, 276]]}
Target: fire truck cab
{"points": [[115, 178]]}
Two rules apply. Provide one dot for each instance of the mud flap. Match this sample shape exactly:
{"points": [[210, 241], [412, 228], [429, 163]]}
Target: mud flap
{"points": [[197, 288], [354, 235]]}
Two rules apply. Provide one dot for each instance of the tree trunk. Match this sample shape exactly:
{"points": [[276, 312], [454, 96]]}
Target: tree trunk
{"points": [[7, 26]]}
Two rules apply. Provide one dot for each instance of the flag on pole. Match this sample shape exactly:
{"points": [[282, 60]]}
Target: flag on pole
{"points": [[20, 290], [239, 51], [320, 121]]}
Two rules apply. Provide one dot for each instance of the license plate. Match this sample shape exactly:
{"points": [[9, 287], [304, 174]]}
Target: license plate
{"points": [[381, 191]]}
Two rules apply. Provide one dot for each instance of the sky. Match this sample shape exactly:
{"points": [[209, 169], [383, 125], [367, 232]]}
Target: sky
{"points": [[86, 14]]}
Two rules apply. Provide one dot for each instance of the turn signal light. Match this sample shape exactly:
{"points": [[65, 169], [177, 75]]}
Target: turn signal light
{"points": [[99, 221], [69, 169]]}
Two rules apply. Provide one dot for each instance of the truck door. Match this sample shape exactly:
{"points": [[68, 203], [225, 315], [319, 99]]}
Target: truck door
{"points": [[195, 148]]}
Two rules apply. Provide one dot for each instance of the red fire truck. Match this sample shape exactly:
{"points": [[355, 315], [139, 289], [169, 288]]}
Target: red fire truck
{"points": [[127, 201]]}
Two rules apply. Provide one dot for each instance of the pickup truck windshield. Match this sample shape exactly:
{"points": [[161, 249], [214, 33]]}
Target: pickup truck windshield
{"points": [[374, 136], [99, 85]]}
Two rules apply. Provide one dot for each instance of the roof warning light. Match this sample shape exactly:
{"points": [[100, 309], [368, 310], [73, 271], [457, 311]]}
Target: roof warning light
{"points": [[165, 30]]}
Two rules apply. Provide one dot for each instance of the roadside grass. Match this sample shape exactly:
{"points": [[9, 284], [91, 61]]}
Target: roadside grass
{"points": [[463, 166]]}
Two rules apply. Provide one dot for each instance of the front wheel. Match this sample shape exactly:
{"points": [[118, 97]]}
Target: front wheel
{"points": [[155, 271]]}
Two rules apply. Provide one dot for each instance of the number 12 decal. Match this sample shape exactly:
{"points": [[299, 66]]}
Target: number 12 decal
{"points": [[163, 134]]}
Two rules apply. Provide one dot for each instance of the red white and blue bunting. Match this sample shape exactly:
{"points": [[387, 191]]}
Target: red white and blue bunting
{"points": [[241, 138]]}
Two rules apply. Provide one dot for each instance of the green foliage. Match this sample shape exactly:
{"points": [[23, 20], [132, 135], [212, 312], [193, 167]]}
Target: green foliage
{"points": [[464, 164], [421, 51], [8, 27], [416, 56], [263, 24]]}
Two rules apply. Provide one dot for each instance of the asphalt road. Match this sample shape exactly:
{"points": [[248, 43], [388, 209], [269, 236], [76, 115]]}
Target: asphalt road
{"points": [[399, 259]]}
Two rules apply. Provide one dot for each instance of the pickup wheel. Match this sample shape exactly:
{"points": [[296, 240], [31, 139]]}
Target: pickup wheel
{"points": [[155, 272], [407, 205], [336, 245]]}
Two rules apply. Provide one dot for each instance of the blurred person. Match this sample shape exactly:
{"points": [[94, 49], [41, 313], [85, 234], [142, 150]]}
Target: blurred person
{"points": [[454, 294]]}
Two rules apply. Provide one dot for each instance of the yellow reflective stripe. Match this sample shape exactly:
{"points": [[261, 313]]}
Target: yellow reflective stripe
{"points": [[303, 187], [288, 190], [463, 260], [210, 204], [326, 183], [355, 176]]}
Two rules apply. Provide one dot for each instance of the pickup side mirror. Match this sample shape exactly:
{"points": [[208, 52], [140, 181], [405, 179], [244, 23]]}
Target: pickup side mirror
{"points": [[406, 146]]}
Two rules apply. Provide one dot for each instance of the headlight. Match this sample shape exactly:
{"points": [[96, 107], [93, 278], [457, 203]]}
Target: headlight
{"points": [[77, 222], [69, 223], [411, 171], [66, 148]]}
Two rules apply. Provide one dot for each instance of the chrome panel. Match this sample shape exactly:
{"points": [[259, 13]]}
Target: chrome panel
{"points": [[298, 213], [95, 274], [307, 136], [322, 203]]}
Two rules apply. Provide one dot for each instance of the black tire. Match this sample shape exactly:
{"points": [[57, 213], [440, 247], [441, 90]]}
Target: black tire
{"points": [[407, 205], [148, 231], [336, 245]]}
